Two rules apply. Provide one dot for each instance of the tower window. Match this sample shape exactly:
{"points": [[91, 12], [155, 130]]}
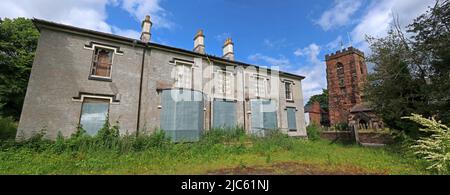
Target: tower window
{"points": [[340, 74], [361, 67]]}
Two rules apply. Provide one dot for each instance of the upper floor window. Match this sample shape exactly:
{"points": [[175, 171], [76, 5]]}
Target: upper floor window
{"points": [[224, 83], [102, 62], [340, 74], [259, 85], [288, 90], [183, 77]]}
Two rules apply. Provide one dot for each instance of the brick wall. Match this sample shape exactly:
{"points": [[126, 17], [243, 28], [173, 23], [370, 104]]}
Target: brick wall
{"points": [[342, 97]]}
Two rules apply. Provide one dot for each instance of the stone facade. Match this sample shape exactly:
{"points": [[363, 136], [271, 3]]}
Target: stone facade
{"points": [[60, 81], [346, 73]]}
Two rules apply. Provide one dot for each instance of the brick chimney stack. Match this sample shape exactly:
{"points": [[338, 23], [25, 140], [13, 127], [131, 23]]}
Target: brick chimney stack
{"points": [[146, 27]]}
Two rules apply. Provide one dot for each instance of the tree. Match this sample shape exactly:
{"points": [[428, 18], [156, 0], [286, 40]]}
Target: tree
{"points": [[411, 75], [18, 42], [323, 101], [432, 47], [392, 90], [321, 98]]}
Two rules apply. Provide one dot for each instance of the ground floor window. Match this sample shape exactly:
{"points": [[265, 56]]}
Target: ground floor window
{"points": [[292, 124], [263, 116], [94, 113], [224, 115]]}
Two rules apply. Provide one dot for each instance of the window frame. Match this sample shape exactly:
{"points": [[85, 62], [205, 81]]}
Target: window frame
{"points": [[92, 97], [256, 78], [291, 92], [295, 118], [227, 76], [92, 76], [191, 74]]}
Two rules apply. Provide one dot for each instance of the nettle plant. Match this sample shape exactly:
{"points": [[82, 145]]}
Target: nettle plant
{"points": [[435, 147]]}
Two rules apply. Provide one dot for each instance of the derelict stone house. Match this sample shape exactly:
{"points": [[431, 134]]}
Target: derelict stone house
{"points": [[83, 77]]}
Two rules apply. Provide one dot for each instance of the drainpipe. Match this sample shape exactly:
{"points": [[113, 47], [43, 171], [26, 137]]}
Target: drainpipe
{"points": [[140, 90], [243, 98]]}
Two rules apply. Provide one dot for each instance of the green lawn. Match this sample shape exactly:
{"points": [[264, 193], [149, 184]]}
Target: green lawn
{"points": [[244, 156]]}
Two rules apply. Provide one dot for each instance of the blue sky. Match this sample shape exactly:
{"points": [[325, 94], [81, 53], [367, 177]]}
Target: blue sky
{"points": [[292, 34]]}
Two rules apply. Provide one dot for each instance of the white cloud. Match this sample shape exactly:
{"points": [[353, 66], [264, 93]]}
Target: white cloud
{"points": [[377, 21], [83, 13], [140, 8], [315, 72], [335, 44], [90, 14], [275, 44], [127, 32], [339, 15], [281, 61]]}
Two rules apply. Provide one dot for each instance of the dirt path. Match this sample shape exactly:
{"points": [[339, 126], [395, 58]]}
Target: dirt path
{"points": [[293, 168]]}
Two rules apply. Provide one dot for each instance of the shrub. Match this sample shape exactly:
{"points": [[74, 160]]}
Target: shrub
{"points": [[313, 132], [434, 147], [8, 128]]}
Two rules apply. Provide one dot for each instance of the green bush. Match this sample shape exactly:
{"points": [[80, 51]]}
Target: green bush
{"points": [[8, 128], [313, 132]]}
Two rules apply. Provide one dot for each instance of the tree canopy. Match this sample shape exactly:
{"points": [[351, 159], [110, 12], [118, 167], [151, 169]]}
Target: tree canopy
{"points": [[411, 73], [18, 42]]}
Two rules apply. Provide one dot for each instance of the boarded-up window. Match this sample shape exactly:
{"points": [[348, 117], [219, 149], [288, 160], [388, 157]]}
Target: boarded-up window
{"points": [[264, 116], [182, 114], [94, 113], [102, 62], [183, 76], [292, 124], [288, 88], [224, 114]]}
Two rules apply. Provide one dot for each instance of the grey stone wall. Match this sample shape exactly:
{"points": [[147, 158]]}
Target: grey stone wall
{"points": [[61, 70]]}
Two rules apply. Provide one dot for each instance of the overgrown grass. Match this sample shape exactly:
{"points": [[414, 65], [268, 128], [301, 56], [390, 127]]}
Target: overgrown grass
{"points": [[109, 153]]}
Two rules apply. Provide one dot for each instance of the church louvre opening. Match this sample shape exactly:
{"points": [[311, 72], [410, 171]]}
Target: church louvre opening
{"points": [[182, 114]]}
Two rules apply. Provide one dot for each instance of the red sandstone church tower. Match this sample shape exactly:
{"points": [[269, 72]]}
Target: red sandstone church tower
{"points": [[346, 74]]}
